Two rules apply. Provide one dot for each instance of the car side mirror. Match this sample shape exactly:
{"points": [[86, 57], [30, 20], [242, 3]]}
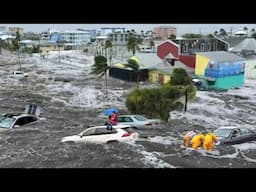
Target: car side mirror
{"points": [[16, 126]]}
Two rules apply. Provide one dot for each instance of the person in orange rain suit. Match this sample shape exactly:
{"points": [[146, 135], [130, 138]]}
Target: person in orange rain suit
{"points": [[186, 139], [208, 141], [197, 140]]}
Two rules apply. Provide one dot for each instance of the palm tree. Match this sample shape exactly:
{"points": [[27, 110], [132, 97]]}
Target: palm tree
{"points": [[100, 67], [152, 44], [108, 44], [132, 44], [135, 67]]}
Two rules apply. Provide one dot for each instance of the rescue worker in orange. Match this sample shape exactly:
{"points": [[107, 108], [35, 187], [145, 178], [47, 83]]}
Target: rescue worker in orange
{"points": [[186, 139], [197, 140], [209, 139]]}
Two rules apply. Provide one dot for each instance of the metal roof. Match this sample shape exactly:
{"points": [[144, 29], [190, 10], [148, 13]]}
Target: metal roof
{"points": [[247, 44], [220, 56]]}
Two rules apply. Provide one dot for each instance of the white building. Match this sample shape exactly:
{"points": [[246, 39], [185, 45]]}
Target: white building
{"points": [[76, 37]]}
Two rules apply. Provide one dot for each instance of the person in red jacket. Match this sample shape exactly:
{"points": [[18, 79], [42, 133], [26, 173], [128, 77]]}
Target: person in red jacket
{"points": [[113, 118]]}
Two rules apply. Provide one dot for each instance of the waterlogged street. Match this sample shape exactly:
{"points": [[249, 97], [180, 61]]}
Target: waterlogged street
{"points": [[74, 100]]}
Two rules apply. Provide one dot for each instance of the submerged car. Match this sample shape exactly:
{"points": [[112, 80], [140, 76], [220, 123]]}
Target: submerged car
{"points": [[100, 135], [137, 121], [231, 135], [30, 116], [10, 120]]}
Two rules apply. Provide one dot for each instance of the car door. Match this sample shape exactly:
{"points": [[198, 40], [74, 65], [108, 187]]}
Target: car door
{"points": [[236, 137], [126, 120], [89, 136]]}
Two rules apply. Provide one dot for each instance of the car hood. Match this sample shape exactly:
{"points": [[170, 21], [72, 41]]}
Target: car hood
{"points": [[220, 138], [70, 138]]}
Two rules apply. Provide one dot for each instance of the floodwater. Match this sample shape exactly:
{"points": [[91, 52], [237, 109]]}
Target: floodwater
{"points": [[74, 100]]}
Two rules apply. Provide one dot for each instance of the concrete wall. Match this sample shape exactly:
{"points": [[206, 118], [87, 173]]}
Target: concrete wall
{"points": [[250, 69]]}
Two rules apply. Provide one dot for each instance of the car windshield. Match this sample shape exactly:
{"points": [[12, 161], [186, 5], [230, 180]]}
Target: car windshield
{"points": [[6, 122], [140, 118], [222, 132]]}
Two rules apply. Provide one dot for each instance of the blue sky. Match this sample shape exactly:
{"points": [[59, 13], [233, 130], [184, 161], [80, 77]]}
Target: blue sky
{"points": [[181, 28]]}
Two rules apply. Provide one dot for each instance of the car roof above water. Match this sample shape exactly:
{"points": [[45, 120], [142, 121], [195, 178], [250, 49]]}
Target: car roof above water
{"points": [[228, 127]]}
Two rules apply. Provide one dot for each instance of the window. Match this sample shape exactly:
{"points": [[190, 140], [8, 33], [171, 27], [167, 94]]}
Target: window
{"points": [[102, 131], [185, 47], [140, 118], [202, 47], [89, 132], [128, 119]]}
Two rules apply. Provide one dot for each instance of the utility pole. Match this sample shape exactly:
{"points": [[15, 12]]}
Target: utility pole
{"points": [[19, 54], [186, 99]]}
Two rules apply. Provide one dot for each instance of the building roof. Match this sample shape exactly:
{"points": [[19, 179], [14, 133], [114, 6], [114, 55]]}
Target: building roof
{"points": [[247, 44], [220, 56], [147, 60]]}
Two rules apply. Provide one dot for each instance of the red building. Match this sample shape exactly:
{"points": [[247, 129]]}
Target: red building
{"points": [[171, 51]]}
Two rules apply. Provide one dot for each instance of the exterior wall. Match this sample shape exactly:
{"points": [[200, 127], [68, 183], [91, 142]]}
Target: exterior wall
{"points": [[76, 37], [45, 49], [167, 47], [188, 60], [250, 69], [201, 64], [229, 82], [158, 77]]}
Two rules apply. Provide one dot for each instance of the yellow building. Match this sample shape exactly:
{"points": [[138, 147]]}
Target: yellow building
{"points": [[47, 47]]}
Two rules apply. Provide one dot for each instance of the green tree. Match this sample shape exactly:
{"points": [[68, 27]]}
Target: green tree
{"points": [[100, 67], [222, 32], [254, 35], [135, 67], [180, 77], [172, 36], [158, 102], [210, 36], [215, 33], [132, 44]]}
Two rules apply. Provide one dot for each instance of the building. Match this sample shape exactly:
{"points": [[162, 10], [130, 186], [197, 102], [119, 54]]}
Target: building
{"points": [[17, 29], [46, 46], [246, 47], [146, 61], [220, 70], [163, 32], [170, 51], [92, 32], [3, 28], [105, 31], [72, 39], [76, 37], [192, 45], [119, 38]]}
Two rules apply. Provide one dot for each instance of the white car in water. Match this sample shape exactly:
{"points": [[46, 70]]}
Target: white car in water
{"points": [[100, 135], [18, 75], [137, 121]]}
